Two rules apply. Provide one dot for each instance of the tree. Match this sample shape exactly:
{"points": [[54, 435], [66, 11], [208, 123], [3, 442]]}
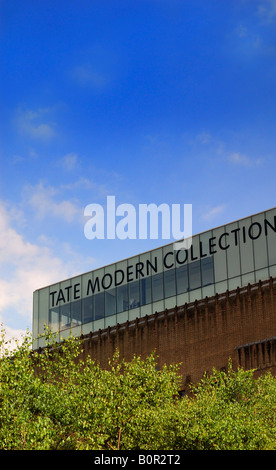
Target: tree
{"points": [[228, 410], [56, 400]]}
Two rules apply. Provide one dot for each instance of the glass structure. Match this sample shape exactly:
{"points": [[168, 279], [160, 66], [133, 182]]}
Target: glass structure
{"points": [[224, 258]]}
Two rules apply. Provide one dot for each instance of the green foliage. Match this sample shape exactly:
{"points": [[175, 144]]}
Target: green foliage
{"points": [[56, 400]]}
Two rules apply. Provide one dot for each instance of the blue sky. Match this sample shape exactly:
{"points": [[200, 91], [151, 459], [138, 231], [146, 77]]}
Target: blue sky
{"points": [[152, 101]]}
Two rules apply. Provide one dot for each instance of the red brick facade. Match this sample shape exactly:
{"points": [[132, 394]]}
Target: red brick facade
{"points": [[239, 324]]}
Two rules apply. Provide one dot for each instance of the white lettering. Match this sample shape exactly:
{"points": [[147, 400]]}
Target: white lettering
{"points": [[128, 221], [159, 218], [97, 221], [153, 211]]}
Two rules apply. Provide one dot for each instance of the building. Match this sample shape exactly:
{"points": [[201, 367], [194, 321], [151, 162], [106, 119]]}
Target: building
{"points": [[196, 306]]}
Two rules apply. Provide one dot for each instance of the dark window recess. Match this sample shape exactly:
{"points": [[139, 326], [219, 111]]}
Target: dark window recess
{"points": [[87, 309], [157, 287], [99, 306]]}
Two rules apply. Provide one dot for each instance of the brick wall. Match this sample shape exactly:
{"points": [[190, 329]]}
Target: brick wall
{"points": [[240, 324]]}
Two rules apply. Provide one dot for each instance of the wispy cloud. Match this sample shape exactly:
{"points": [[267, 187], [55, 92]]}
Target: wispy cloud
{"points": [[25, 267], [97, 190], [241, 31], [221, 148], [69, 161], [267, 10], [204, 137], [34, 123], [96, 68], [87, 75], [44, 200], [243, 160], [214, 212]]}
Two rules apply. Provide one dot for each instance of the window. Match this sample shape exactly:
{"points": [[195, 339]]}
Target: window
{"points": [[87, 309], [54, 319], [122, 298], [110, 302], [157, 287], [99, 306], [194, 275], [207, 271], [134, 294], [182, 280], [76, 313], [146, 291], [169, 283], [65, 320]]}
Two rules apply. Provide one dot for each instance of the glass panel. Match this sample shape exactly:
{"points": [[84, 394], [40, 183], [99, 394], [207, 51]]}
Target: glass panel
{"points": [[234, 283], [169, 283], [64, 316], [109, 275], [43, 309], [134, 295], [221, 287], [271, 237], [207, 271], [208, 291], [146, 291], [99, 306], [157, 261], [248, 278], [87, 309], [121, 273], [233, 252], [194, 275], [220, 263], [182, 280], [35, 314], [84, 284], [168, 257], [205, 244], [122, 298], [272, 271], [259, 241], [110, 320], [157, 287], [246, 247], [194, 249], [261, 274], [133, 268], [195, 294], [76, 313], [54, 319], [122, 317], [110, 302]]}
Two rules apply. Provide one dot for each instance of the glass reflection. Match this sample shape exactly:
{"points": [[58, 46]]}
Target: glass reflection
{"points": [[172, 282]]}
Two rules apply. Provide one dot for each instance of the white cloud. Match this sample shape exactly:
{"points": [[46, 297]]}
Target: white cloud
{"points": [[97, 190], [43, 202], [204, 137], [87, 75], [214, 212], [239, 159], [267, 10], [34, 124], [69, 161], [220, 148], [241, 31], [25, 267]]}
